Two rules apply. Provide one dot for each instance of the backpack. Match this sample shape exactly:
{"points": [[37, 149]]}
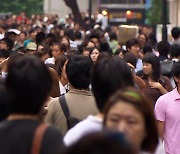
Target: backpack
{"points": [[166, 67], [71, 121]]}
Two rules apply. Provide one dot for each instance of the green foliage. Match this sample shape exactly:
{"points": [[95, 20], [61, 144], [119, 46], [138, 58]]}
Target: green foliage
{"points": [[17, 6], [154, 14]]}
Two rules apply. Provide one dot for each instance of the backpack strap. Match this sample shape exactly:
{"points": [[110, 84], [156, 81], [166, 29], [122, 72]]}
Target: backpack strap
{"points": [[37, 139], [64, 106]]}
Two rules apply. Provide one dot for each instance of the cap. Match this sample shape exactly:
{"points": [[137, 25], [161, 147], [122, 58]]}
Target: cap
{"points": [[31, 46]]}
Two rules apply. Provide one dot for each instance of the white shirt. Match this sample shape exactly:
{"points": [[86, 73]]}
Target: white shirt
{"points": [[89, 125], [63, 88], [50, 61]]}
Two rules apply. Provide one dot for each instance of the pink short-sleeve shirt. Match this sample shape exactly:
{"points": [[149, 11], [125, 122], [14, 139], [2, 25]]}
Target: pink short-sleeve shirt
{"points": [[167, 109]]}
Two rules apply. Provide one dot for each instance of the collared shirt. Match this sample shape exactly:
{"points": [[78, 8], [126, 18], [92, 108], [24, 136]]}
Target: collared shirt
{"points": [[167, 110]]}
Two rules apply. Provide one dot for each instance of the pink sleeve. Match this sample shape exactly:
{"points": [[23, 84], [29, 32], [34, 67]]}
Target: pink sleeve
{"points": [[160, 109]]}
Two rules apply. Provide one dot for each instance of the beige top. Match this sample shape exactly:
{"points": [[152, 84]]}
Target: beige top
{"points": [[81, 103]]}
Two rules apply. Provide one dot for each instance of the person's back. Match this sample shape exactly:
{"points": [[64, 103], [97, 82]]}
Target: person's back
{"points": [[109, 75], [27, 94], [16, 136], [79, 100]]}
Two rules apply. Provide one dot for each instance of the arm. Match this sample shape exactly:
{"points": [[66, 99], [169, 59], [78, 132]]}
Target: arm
{"points": [[158, 86], [160, 125]]}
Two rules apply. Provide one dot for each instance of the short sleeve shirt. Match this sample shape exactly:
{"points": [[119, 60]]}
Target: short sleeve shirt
{"points": [[167, 110]]}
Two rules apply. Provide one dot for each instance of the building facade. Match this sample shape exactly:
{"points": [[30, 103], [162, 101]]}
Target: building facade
{"points": [[59, 7], [174, 12]]}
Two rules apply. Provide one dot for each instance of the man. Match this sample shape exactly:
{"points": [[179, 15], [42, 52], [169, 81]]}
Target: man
{"points": [[28, 85], [167, 114], [175, 32], [109, 75], [79, 100], [133, 46]]}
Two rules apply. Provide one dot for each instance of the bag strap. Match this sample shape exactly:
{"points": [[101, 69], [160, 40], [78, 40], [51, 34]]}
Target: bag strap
{"points": [[64, 106], [37, 139]]}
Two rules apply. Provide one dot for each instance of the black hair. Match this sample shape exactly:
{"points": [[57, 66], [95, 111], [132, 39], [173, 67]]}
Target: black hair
{"points": [[154, 61], [59, 62], [147, 48], [8, 42], [131, 58], [78, 71], [109, 75], [105, 142], [163, 48], [175, 51], [4, 53], [112, 36], [131, 43], [104, 47], [77, 35], [4, 103], [176, 71], [175, 32], [40, 37], [34, 82]]}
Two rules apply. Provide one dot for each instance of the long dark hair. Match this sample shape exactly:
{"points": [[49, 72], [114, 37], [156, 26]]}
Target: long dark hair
{"points": [[154, 61]]}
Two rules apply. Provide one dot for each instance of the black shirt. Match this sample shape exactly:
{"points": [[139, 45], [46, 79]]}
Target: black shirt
{"points": [[16, 137]]}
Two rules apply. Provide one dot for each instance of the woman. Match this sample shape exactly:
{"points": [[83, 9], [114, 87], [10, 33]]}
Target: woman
{"points": [[156, 84], [94, 53], [57, 50], [130, 112]]}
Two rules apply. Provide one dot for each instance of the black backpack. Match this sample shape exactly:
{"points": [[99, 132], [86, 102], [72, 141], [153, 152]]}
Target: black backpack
{"points": [[71, 121]]}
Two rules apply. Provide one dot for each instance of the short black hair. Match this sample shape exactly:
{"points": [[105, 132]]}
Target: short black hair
{"points": [[176, 71], [163, 48], [77, 35], [131, 42], [28, 83], [109, 75], [40, 37], [4, 53], [78, 71], [175, 51], [175, 32], [8, 42]]}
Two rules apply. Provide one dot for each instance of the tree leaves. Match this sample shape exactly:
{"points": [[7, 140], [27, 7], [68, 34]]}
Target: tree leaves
{"points": [[17, 6]]}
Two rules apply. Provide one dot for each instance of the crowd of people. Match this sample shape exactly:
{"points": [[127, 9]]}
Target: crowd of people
{"points": [[65, 89]]}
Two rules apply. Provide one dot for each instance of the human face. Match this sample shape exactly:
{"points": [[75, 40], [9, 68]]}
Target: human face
{"points": [[94, 55], [135, 49], [65, 41], [3, 45], [124, 117], [56, 51], [142, 39], [86, 53], [147, 68]]}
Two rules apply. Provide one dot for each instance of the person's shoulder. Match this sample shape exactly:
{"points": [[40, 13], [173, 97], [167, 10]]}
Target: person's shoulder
{"points": [[52, 140], [167, 96]]}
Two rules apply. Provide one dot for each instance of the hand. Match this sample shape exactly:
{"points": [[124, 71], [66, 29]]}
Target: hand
{"points": [[155, 84]]}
